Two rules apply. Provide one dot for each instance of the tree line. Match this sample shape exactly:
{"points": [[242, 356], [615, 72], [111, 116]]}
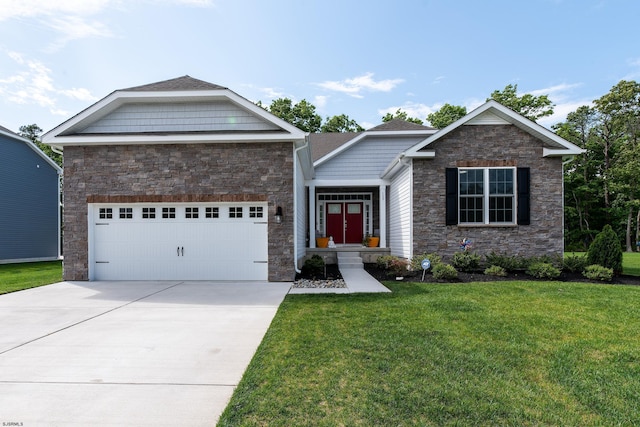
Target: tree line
{"points": [[601, 185]]}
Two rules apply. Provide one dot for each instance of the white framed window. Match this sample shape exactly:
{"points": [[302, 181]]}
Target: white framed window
{"points": [[487, 195]]}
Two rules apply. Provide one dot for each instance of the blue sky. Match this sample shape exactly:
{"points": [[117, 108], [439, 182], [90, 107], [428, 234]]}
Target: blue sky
{"points": [[360, 58]]}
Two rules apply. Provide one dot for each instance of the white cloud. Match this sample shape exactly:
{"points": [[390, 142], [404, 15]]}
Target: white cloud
{"points": [[416, 110], [354, 86], [31, 8], [320, 101], [33, 84], [71, 18], [556, 90]]}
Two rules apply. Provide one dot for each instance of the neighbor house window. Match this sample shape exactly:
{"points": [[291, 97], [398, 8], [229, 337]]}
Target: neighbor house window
{"points": [[488, 196]]}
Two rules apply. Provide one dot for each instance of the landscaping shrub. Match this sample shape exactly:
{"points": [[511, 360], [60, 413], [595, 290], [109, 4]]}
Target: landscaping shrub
{"points": [[445, 272], [543, 270], [605, 250], [555, 260], [313, 267], [395, 266], [575, 263], [598, 272], [509, 263], [495, 270], [416, 261], [466, 261]]}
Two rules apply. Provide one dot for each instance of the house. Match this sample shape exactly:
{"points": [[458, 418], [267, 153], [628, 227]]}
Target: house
{"points": [[187, 180], [30, 194], [493, 177]]}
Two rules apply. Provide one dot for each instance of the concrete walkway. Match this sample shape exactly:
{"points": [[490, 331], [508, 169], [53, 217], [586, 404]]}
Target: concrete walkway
{"points": [[129, 353], [354, 275]]}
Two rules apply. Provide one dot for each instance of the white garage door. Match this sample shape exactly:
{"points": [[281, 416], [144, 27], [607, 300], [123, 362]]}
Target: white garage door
{"points": [[199, 241]]}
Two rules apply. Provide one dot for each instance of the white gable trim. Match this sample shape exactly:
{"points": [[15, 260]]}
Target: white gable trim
{"points": [[116, 99], [496, 112]]}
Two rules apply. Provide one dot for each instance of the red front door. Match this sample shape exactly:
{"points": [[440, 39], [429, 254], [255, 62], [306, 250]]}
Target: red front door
{"points": [[344, 222]]}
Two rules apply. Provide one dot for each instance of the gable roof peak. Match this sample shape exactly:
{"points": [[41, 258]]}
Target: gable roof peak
{"points": [[183, 83]]}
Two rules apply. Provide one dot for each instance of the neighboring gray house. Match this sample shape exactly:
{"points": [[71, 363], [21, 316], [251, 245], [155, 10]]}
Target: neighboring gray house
{"points": [[29, 200], [187, 180]]}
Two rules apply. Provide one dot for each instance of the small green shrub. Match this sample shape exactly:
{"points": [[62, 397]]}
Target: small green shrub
{"points": [[555, 260], [598, 272], [384, 261], [445, 272], [509, 263], [394, 265], [314, 266], [495, 270], [543, 270], [466, 261], [575, 263], [605, 250], [416, 261]]}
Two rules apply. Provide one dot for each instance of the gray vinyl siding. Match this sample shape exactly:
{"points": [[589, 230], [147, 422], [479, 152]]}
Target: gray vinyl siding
{"points": [[29, 208], [366, 159], [400, 214], [179, 117]]}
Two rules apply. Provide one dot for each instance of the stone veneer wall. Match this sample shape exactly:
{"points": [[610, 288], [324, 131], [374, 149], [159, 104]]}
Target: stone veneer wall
{"points": [[189, 172], [469, 145]]}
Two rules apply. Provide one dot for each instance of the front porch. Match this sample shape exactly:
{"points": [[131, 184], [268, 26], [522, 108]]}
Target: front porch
{"points": [[330, 255]]}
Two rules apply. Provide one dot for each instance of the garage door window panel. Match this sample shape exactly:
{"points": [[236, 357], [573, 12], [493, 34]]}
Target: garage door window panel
{"points": [[106, 213], [211, 212], [168, 213]]}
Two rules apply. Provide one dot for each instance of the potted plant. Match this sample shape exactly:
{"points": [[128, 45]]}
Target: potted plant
{"points": [[370, 241], [322, 242]]}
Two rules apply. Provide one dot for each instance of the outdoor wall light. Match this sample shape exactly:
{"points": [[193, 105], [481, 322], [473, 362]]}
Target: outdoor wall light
{"points": [[278, 215]]}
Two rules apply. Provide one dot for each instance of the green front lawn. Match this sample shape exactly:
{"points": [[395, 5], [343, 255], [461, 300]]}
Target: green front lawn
{"points": [[631, 263], [503, 353], [15, 277]]}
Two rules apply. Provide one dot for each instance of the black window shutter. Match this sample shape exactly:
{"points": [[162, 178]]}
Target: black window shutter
{"points": [[524, 208], [452, 196]]}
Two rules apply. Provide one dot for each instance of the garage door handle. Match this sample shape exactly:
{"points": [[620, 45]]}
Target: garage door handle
{"points": [[182, 250]]}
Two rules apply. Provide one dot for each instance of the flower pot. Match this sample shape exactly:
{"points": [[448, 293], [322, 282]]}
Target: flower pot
{"points": [[322, 242], [373, 242]]}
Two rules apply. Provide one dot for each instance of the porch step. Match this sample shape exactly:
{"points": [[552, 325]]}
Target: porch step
{"points": [[350, 260]]}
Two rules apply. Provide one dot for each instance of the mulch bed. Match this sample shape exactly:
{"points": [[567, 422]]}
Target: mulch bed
{"points": [[416, 276]]}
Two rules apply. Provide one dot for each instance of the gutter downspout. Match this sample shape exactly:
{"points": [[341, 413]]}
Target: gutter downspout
{"points": [[295, 203]]}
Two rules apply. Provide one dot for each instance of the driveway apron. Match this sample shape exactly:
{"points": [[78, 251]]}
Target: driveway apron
{"points": [[128, 353]]}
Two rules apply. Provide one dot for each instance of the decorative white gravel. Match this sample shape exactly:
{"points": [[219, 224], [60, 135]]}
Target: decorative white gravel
{"points": [[306, 283]]}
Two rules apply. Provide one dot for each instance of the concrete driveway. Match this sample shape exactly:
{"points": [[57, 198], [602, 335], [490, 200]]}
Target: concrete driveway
{"points": [[128, 353]]}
